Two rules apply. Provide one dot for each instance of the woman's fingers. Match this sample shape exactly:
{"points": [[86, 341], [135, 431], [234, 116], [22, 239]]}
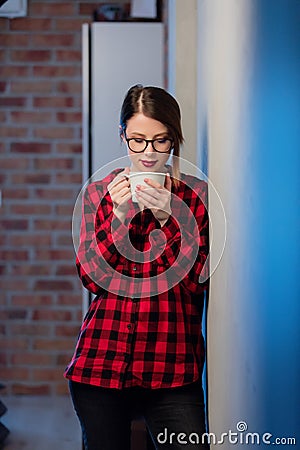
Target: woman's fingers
{"points": [[168, 182], [147, 197], [124, 198], [119, 188], [156, 185], [119, 196], [151, 200], [117, 184]]}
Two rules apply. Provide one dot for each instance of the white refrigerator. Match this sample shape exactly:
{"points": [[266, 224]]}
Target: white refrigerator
{"points": [[115, 56]]}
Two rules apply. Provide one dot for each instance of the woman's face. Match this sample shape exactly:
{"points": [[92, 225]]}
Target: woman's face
{"points": [[142, 127]]}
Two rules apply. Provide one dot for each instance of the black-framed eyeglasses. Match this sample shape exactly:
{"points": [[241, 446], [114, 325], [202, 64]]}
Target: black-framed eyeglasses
{"points": [[139, 145]]}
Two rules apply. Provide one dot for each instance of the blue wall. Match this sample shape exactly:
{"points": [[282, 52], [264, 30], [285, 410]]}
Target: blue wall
{"points": [[275, 166]]}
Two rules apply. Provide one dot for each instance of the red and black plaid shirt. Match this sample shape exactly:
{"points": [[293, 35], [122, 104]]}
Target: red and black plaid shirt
{"points": [[143, 328]]}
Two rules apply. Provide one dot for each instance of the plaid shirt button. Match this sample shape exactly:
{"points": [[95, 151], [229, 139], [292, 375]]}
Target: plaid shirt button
{"points": [[129, 326], [134, 268]]}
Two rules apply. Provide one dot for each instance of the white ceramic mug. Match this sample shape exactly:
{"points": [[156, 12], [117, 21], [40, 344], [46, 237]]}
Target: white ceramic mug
{"points": [[139, 177]]}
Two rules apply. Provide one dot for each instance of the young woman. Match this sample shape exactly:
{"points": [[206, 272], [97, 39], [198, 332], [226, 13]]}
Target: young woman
{"points": [[140, 350]]}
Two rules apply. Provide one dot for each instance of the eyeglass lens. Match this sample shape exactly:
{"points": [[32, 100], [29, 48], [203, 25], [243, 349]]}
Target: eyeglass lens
{"points": [[139, 145]]}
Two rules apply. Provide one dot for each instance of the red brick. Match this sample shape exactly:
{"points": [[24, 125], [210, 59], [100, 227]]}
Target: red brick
{"points": [[62, 148], [15, 193], [30, 300], [4, 23], [14, 373], [49, 374], [3, 359], [69, 117], [30, 240], [13, 343], [13, 255], [30, 389], [30, 147], [9, 284], [63, 359], [14, 40], [30, 209], [13, 71], [13, 132], [54, 255], [13, 163], [32, 329], [52, 225], [31, 359], [56, 71], [2, 178], [67, 331], [3, 116], [12, 101], [88, 9], [30, 269], [53, 285], [30, 24], [66, 270], [68, 178], [3, 269], [54, 163], [68, 55], [2, 55], [64, 210], [3, 86], [53, 9], [52, 193], [64, 239], [78, 315], [70, 87], [74, 25], [31, 86], [32, 178], [53, 102], [70, 299], [7, 224], [30, 55], [53, 40], [54, 133], [62, 388], [53, 344], [51, 316], [31, 117]]}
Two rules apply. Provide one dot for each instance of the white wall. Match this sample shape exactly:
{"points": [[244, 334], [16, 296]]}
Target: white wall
{"points": [[232, 342], [183, 69], [248, 93]]}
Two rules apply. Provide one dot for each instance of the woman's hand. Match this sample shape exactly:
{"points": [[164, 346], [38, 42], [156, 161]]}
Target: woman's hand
{"points": [[157, 198], [119, 190]]}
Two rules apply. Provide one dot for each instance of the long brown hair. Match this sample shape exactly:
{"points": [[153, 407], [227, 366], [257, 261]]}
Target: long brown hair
{"points": [[158, 104]]}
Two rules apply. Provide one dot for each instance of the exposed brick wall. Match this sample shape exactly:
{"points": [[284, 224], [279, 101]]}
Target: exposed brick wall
{"points": [[40, 177]]}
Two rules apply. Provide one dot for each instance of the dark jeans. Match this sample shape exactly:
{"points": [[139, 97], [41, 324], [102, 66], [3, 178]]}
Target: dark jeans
{"points": [[174, 417]]}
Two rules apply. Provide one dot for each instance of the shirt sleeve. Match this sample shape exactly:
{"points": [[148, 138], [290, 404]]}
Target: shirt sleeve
{"points": [[101, 231], [186, 241]]}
